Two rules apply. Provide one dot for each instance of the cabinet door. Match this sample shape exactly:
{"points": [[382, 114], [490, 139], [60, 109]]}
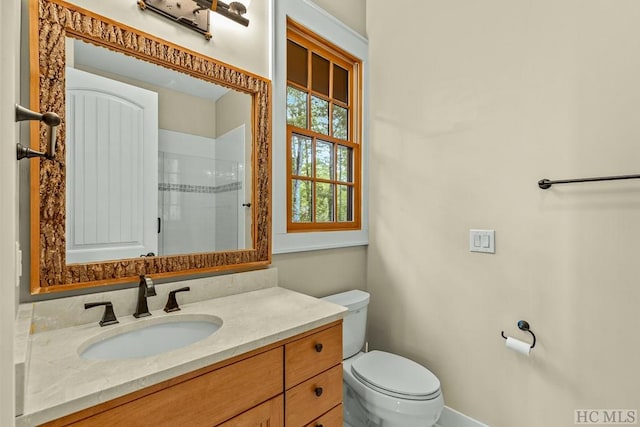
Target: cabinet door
{"points": [[202, 401], [269, 414]]}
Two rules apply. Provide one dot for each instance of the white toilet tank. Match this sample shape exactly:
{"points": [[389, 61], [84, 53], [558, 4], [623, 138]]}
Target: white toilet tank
{"points": [[355, 322]]}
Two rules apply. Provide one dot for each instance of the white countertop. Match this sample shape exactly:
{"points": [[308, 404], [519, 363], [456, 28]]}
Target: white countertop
{"points": [[60, 382]]}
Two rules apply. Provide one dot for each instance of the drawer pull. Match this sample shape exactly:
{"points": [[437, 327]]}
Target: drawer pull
{"points": [[319, 348], [319, 425], [318, 391]]}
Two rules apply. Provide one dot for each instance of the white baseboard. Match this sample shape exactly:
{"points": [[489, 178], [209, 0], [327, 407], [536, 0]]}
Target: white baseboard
{"points": [[452, 418]]}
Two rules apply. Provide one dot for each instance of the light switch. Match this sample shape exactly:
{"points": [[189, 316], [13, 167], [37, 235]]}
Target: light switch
{"points": [[482, 241]]}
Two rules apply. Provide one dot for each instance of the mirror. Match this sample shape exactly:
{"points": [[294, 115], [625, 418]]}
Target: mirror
{"points": [[162, 152], [195, 197]]}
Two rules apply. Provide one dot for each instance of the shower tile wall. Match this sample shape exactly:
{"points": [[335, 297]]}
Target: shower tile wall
{"points": [[198, 196]]}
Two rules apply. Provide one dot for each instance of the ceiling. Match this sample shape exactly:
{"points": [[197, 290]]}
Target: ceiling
{"points": [[96, 57]]}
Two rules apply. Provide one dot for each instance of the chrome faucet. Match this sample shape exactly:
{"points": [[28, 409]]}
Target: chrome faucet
{"points": [[145, 289]]}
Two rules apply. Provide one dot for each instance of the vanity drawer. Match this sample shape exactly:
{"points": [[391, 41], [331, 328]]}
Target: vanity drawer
{"points": [[206, 400], [313, 354], [312, 398], [333, 418]]}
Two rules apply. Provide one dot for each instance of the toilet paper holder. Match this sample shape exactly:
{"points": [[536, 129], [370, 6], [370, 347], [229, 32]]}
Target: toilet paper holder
{"points": [[523, 325]]}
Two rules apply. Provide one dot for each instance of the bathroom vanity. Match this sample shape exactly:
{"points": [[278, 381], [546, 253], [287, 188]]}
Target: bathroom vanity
{"points": [[275, 356], [276, 360], [253, 380]]}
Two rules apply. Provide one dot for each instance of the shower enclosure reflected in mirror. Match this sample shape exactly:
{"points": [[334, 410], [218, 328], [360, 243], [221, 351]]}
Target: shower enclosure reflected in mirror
{"points": [[156, 160]]}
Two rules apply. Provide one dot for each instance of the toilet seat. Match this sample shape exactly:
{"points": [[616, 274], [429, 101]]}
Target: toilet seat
{"points": [[396, 376]]}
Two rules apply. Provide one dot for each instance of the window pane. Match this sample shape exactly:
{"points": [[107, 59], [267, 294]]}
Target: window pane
{"points": [[345, 164], [324, 202], [301, 200], [324, 160], [296, 63], [301, 156], [319, 115], [340, 84], [340, 122], [319, 74], [345, 203], [296, 107]]}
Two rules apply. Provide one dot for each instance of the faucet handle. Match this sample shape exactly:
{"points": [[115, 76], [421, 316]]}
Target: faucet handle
{"points": [[147, 284], [172, 303], [109, 317]]}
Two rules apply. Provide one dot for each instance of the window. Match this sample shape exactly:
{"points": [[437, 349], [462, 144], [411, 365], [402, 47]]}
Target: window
{"points": [[324, 116], [316, 31]]}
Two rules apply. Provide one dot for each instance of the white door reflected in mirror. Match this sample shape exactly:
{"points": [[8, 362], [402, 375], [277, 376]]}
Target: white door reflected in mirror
{"points": [[112, 152]]}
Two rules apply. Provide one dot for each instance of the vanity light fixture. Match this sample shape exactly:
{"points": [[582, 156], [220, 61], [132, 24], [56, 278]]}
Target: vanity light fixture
{"points": [[193, 13]]}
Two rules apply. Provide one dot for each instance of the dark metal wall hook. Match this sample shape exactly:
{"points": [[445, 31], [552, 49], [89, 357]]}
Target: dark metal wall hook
{"points": [[52, 120], [523, 325]]}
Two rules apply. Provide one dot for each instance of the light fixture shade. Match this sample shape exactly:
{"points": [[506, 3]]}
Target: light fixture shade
{"points": [[234, 10], [239, 6]]}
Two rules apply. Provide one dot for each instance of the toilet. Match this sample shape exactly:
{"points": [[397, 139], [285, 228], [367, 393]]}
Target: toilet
{"points": [[382, 389]]}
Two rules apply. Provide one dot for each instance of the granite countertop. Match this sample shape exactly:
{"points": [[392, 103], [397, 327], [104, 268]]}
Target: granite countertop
{"points": [[60, 382]]}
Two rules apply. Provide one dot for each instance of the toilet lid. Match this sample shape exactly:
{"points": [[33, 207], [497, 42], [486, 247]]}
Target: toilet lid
{"points": [[396, 376]]}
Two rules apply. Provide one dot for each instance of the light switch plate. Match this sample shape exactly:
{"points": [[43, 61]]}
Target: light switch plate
{"points": [[482, 241]]}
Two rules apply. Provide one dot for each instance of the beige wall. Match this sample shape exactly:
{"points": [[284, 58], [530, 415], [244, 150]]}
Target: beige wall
{"points": [[184, 113], [471, 104], [233, 110], [321, 273]]}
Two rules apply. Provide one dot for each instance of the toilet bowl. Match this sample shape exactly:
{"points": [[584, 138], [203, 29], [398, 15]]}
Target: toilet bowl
{"points": [[382, 389], [392, 390]]}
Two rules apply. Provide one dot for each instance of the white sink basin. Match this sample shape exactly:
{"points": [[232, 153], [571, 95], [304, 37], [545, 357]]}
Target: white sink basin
{"points": [[150, 337]]}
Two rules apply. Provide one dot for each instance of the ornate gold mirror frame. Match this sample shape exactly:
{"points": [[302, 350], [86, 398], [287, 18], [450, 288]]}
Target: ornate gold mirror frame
{"points": [[50, 22]]}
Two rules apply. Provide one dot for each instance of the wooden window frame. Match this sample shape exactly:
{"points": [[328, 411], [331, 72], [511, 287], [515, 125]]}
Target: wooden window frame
{"points": [[316, 44]]}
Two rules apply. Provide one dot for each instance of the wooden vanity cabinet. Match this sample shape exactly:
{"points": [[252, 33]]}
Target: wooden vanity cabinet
{"points": [[290, 383]]}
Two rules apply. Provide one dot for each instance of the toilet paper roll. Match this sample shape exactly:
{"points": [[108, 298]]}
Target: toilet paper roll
{"points": [[518, 346]]}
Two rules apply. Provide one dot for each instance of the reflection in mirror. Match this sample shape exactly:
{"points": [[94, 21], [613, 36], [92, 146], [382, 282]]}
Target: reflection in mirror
{"points": [[157, 161]]}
